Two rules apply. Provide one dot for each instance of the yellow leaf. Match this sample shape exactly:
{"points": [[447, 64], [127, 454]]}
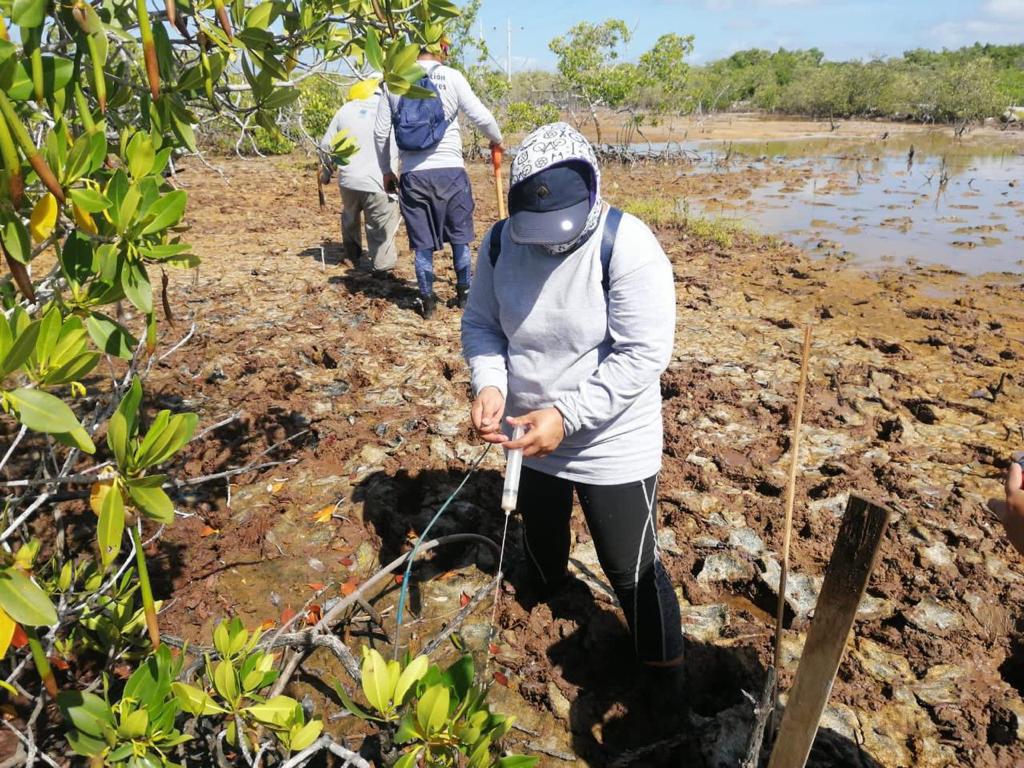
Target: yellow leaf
{"points": [[98, 493], [84, 220], [7, 626], [363, 89], [274, 487], [44, 218], [324, 514]]}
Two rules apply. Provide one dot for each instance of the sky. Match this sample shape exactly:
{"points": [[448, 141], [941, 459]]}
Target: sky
{"points": [[843, 29]]}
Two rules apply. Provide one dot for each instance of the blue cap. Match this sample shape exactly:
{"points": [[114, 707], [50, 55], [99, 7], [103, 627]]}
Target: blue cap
{"points": [[551, 206]]}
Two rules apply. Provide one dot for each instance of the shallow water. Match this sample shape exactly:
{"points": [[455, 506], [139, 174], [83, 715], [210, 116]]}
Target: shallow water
{"points": [[955, 204]]}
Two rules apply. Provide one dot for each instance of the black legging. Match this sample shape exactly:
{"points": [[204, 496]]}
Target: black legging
{"points": [[621, 519]]}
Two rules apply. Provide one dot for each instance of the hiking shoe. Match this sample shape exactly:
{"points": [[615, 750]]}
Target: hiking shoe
{"points": [[461, 296], [427, 306]]}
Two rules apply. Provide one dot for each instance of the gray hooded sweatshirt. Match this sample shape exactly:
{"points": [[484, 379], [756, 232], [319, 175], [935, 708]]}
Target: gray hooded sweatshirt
{"points": [[541, 329]]}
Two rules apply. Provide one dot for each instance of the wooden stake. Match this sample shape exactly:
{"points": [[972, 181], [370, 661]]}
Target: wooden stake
{"points": [[496, 157], [790, 496], [853, 559]]}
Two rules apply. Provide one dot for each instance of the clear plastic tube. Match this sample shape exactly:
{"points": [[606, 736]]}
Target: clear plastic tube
{"points": [[513, 466]]}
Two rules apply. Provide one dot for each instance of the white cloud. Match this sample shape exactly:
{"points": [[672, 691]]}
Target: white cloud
{"points": [[953, 34], [1005, 9]]}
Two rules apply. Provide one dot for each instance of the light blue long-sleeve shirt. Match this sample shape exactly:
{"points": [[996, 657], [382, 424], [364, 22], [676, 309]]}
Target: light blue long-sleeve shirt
{"points": [[541, 329]]}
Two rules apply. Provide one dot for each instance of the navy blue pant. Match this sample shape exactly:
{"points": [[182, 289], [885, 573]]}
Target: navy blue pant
{"points": [[621, 519], [437, 206]]}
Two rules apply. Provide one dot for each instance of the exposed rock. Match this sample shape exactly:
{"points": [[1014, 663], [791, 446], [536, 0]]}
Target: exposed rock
{"points": [[905, 736], [940, 685], [704, 623], [833, 505], [440, 449], [998, 569], [559, 704], [372, 455], [936, 555], [667, 541], [725, 566], [700, 461], [747, 540], [875, 608], [931, 616], [992, 616], [882, 664], [801, 590]]}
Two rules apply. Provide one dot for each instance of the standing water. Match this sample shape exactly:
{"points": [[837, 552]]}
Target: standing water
{"points": [[916, 198]]}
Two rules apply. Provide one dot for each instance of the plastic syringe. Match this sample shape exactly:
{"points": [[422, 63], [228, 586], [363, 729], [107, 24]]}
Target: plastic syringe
{"points": [[513, 466]]}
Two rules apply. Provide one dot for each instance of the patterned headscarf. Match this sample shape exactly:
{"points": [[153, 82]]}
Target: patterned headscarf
{"points": [[553, 144]]}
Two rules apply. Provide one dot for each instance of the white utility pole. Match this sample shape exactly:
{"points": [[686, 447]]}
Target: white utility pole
{"points": [[508, 50]]}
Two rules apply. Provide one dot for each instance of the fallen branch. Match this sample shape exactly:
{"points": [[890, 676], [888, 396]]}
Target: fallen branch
{"points": [[461, 616], [763, 709], [325, 742], [227, 473], [633, 755], [567, 756], [361, 592]]}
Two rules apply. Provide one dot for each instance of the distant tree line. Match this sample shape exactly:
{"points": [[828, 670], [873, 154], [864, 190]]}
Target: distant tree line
{"points": [[967, 84]]}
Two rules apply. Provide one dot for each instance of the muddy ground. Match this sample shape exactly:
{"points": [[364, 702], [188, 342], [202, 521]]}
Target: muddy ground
{"points": [[914, 393], [757, 126]]}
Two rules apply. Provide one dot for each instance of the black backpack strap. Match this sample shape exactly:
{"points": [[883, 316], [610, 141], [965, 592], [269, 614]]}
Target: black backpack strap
{"points": [[494, 242], [611, 229]]}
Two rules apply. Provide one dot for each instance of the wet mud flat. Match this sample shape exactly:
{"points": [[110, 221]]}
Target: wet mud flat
{"points": [[915, 385]]}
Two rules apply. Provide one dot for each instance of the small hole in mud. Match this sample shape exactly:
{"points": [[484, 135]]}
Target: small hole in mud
{"points": [[718, 676], [1012, 670], [765, 488], [889, 430], [819, 491], [670, 389], [698, 566]]}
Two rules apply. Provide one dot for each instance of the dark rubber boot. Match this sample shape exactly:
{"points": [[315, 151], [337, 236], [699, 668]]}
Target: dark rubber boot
{"points": [[353, 253], [461, 296], [427, 306]]}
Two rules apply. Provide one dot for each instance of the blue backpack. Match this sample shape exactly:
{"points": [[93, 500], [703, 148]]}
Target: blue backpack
{"points": [[420, 123]]}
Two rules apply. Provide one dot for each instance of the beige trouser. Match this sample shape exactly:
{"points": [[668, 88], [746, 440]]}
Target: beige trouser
{"points": [[381, 214]]}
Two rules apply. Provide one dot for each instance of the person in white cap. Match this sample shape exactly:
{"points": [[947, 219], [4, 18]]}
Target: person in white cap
{"points": [[568, 329]]}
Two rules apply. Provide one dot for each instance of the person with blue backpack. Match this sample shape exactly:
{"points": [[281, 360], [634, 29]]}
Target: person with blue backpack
{"points": [[434, 192], [568, 329]]}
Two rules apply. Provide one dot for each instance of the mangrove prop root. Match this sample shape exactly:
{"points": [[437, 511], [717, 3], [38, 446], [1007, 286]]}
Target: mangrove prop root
{"points": [[97, 72], [46, 176], [152, 69], [223, 19], [20, 275], [28, 148], [148, 49], [147, 592]]}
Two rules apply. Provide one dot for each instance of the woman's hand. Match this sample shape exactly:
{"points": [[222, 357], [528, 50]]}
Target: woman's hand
{"points": [[545, 431], [486, 414], [1011, 511]]}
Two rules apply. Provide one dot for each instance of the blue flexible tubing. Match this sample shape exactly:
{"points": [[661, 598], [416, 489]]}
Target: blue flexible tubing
{"points": [[404, 593]]}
